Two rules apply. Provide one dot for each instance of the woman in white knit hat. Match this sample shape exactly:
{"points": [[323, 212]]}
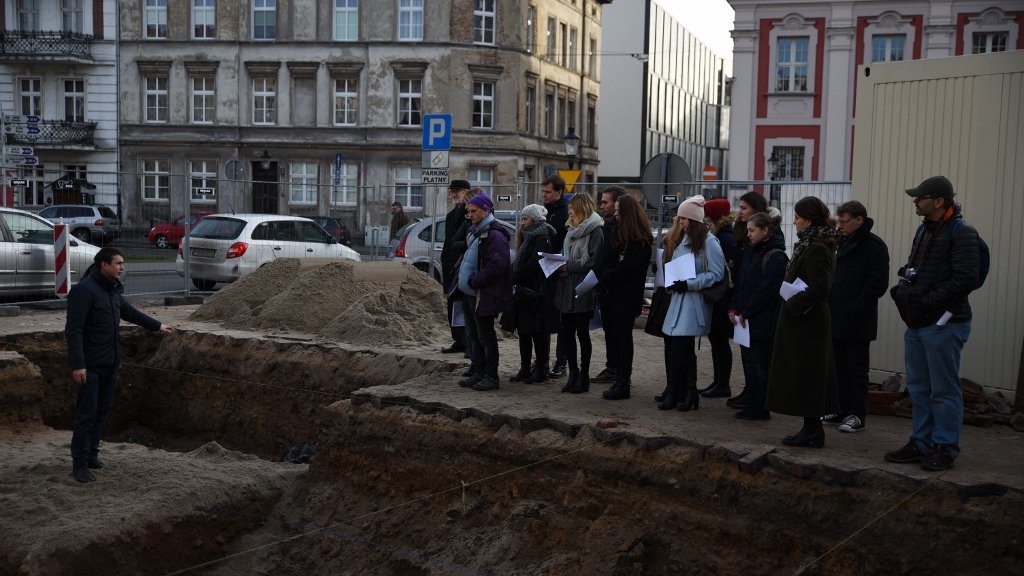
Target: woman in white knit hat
{"points": [[689, 314]]}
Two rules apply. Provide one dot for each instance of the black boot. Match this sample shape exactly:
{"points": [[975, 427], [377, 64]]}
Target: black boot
{"points": [[660, 397], [669, 398], [691, 401], [570, 382], [717, 390], [812, 435], [581, 384], [618, 391], [522, 375]]}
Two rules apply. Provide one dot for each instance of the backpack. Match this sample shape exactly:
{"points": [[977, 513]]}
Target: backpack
{"points": [[767, 255], [984, 258]]}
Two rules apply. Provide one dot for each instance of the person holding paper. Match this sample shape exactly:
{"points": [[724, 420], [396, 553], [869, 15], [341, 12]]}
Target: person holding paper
{"points": [[802, 377], [689, 314], [533, 317], [606, 206], [716, 212], [622, 289], [943, 268], [755, 307], [582, 250], [556, 201]]}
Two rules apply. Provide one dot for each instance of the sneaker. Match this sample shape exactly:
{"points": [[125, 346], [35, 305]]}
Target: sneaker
{"points": [[851, 424], [939, 460], [606, 376], [557, 371], [909, 454], [82, 475], [486, 384], [833, 419]]}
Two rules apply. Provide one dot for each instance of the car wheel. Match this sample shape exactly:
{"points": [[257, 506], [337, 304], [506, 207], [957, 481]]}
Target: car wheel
{"points": [[161, 241], [82, 234], [201, 284]]}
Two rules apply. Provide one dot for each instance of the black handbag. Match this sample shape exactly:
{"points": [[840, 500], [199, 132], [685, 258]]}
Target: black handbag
{"points": [[528, 297], [716, 292], [657, 312]]}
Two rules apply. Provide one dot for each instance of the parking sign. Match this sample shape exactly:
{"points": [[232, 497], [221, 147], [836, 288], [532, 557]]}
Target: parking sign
{"points": [[437, 132]]}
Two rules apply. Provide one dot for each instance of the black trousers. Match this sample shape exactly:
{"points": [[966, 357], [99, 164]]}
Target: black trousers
{"points": [[539, 342], [721, 351], [484, 347], [681, 359], [757, 361], [852, 363], [95, 398], [576, 326], [618, 332]]}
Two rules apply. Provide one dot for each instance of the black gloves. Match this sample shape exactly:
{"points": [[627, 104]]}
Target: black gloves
{"points": [[679, 287]]}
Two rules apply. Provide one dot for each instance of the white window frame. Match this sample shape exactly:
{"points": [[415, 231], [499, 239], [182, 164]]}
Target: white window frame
{"points": [[156, 181], [202, 174], [890, 24], [483, 105], [35, 191], [33, 96], [302, 182], [888, 44], [410, 102], [71, 16], [203, 87], [989, 37], [346, 191], [204, 19], [793, 27], [484, 22], [154, 20], [346, 101], [28, 15], [155, 94], [264, 7], [480, 176], [345, 11], [990, 21], [264, 101], [572, 55], [552, 39], [531, 29], [76, 99], [789, 47], [772, 144], [410, 20], [409, 186]]}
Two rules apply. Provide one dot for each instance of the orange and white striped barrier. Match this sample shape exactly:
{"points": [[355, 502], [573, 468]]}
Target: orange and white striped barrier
{"points": [[61, 246]]}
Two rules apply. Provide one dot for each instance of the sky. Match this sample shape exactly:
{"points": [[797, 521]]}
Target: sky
{"points": [[709, 20]]}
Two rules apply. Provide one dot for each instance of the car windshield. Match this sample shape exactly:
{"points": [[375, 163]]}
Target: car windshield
{"points": [[218, 228]]}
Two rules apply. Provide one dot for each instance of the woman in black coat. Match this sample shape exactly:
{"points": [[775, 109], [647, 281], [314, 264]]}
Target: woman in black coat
{"points": [[533, 316], [716, 213], [622, 280]]}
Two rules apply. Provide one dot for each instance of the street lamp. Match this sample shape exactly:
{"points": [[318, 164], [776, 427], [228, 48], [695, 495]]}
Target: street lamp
{"points": [[265, 160], [773, 175], [572, 145]]}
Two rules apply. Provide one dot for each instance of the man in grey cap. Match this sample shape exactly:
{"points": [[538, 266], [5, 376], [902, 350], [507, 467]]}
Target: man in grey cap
{"points": [[931, 296], [450, 256]]}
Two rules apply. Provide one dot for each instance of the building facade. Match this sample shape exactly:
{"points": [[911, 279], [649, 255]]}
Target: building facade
{"points": [[669, 95], [315, 106], [58, 90], [795, 69]]}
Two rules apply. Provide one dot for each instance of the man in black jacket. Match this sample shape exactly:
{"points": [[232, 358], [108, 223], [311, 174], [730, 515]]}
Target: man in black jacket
{"points": [[943, 268], [450, 257], [862, 276], [95, 310], [552, 190]]}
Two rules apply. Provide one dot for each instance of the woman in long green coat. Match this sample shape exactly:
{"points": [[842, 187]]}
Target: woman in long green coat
{"points": [[802, 379]]}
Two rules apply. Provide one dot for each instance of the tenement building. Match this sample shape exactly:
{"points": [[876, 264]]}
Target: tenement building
{"points": [[795, 71], [313, 107]]}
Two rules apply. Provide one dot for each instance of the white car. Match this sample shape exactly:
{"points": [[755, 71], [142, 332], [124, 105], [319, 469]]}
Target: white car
{"points": [[412, 243], [225, 247], [26, 254]]}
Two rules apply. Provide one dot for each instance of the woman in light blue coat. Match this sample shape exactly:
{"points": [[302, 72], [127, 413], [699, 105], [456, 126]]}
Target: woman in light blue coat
{"points": [[689, 314]]}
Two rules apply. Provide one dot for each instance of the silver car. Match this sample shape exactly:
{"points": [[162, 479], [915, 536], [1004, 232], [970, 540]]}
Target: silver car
{"points": [[88, 223], [412, 244], [26, 254], [225, 247]]}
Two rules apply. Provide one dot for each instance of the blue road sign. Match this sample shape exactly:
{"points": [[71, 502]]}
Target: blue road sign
{"points": [[437, 132], [337, 168]]}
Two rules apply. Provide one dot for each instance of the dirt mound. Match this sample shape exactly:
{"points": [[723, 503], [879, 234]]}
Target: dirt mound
{"points": [[368, 303]]}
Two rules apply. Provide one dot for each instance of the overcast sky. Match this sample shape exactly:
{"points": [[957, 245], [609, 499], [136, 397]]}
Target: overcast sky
{"points": [[709, 20]]}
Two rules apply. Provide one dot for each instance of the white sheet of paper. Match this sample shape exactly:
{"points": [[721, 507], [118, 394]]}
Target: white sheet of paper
{"points": [[549, 265], [587, 285], [552, 256], [741, 335], [659, 271], [945, 318], [788, 290], [682, 268], [458, 316]]}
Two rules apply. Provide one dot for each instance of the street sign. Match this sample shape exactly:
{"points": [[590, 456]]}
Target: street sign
{"points": [[337, 169], [435, 175], [21, 161], [670, 199], [437, 132], [709, 173], [18, 151], [205, 191], [435, 159], [21, 129], [19, 182], [19, 119], [570, 177], [504, 198]]}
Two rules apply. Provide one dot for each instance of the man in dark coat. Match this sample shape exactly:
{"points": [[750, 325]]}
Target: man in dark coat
{"points": [[95, 311], [485, 280], [931, 296], [609, 259], [450, 257], [556, 201], [862, 276]]}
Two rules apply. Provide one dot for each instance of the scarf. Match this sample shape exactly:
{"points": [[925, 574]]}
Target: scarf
{"points": [[578, 232], [826, 233], [529, 233]]}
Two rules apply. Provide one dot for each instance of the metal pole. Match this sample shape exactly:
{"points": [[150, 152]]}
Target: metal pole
{"points": [[433, 231], [3, 156]]}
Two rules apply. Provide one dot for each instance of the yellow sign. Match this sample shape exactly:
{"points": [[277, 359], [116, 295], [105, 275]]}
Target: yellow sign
{"points": [[570, 177]]}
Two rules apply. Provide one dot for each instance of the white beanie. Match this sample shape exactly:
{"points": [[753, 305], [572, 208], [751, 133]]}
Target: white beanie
{"points": [[692, 208], [535, 212]]}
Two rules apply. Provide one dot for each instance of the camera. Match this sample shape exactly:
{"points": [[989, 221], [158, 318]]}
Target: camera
{"points": [[908, 273]]}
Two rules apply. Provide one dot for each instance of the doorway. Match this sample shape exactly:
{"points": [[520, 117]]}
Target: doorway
{"points": [[264, 188]]}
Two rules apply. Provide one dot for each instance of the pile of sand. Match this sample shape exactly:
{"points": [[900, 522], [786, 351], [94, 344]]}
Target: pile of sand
{"points": [[369, 303]]}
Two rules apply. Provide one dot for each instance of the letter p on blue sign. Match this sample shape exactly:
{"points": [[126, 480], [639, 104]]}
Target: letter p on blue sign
{"points": [[437, 132]]}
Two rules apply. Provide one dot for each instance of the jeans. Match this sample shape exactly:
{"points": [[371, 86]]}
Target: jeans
{"points": [[91, 408], [932, 360], [852, 365], [483, 340]]}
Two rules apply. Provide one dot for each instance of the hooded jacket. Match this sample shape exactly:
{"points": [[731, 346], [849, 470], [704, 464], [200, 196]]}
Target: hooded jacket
{"points": [[492, 279], [862, 274], [756, 296]]}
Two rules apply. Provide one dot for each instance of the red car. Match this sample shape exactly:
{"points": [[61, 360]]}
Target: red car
{"points": [[170, 235]]}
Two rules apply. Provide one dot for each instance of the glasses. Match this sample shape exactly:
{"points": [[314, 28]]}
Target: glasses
{"points": [[843, 222]]}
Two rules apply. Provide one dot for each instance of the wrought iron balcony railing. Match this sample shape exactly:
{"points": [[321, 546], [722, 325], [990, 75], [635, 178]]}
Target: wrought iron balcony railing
{"points": [[52, 133], [44, 45]]}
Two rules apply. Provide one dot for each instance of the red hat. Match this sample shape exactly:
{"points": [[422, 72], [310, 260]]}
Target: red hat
{"points": [[716, 209]]}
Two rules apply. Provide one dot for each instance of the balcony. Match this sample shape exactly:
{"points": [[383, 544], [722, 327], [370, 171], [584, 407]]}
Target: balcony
{"points": [[52, 134], [45, 46]]}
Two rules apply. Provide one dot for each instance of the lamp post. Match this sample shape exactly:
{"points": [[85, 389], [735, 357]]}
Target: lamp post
{"points": [[773, 175], [572, 145]]}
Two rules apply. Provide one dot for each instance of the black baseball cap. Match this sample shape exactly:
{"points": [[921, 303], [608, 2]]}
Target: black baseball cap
{"points": [[933, 187], [459, 185]]}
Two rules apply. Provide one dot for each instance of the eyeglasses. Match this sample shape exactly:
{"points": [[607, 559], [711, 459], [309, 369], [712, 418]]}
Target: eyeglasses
{"points": [[843, 222]]}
